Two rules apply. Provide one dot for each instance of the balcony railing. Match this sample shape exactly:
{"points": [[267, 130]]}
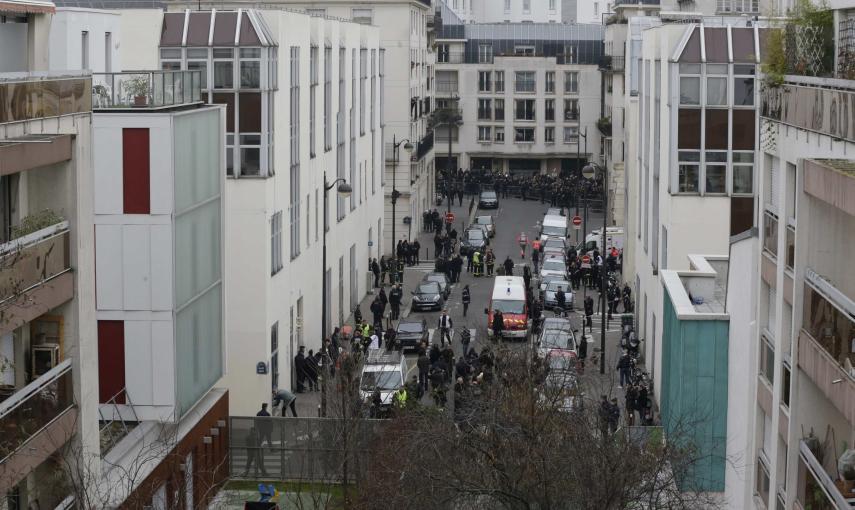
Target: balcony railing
{"points": [[816, 488], [812, 104], [634, 2], [34, 407], [33, 259], [453, 57], [151, 89], [35, 96], [447, 87], [612, 63], [423, 147]]}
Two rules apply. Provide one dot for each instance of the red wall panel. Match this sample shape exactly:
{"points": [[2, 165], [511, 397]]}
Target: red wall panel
{"points": [[111, 360], [136, 171]]}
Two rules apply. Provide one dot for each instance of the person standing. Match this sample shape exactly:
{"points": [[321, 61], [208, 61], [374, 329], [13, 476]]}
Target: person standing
{"points": [[395, 297], [416, 247], [287, 399], [535, 258], [476, 263], [375, 268], [623, 367], [498, 324], [312, 371], [445, 324], [589, 314], [466, 297], [456, 267], [490, 259], [423, 364], [527, 276], [254, 453], [631, 396], [265, 427], [300, 367], [384, 268]]}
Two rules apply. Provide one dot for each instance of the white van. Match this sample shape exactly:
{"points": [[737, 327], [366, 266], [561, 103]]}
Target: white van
{"points": [[508, 297], [384, 372], [553, 226], [614, 238]]}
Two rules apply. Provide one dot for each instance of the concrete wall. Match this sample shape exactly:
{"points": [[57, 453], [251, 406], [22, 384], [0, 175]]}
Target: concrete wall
{"points": [[139, 50], [66, 39], [13, 40]]}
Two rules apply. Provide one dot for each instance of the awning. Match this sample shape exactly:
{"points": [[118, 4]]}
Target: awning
{"points": [[27, 6]]}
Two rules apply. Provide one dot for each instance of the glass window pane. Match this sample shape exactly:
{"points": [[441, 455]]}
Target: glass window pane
{"points": [[250, 74], [690, 90], [743, 179], [202, 67], [250, 161], [688, 178], [716, 68], [690, 69], [223, 53], [716, 178], [689, 156], [223, 75], [717, 91], [743, 91], [250, 53], [197, 52]]}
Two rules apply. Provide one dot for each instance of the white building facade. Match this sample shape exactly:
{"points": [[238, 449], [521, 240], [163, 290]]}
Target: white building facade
{"points": [[506, 11], [527, 93]]}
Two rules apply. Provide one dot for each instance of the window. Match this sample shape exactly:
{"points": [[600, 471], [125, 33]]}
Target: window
{"points": [[526, 6], [374, 100], [224, 68], [197, 60], [743, 173], [715, 171], [500, 81], [571, 109], [484, 134], [524, 135], [549, 134], [689, 168], [762, 488], [485, 53], [442, 54], [500, 109], [571, 134], [743, 85], [250, 68], [274, 355], [485, 109], [524, 109], [313, 93], [84, 50], [484, 84], [524, 50], [500, 134], [327, 99], [785, 384], [770, 233], [767, 358], [363, 76], [550, 82], [571, 82], [276, 243], [364, 16], [108, 53], [316, 12], [525, 81], [549, 110], [551, 5], [570, 54], [690, 86], [716, 90], [295, 151], [791, 248]]}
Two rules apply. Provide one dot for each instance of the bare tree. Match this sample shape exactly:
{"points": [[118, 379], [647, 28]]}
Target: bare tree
{"points": [[522, 438]]}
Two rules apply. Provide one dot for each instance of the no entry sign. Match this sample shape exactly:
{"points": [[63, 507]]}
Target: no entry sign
{"points": [[577, 222], [449, 217]]}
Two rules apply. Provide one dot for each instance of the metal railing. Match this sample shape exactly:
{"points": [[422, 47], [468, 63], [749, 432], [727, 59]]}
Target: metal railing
{"points": [[305, 449], [452, 57], [35, 406], [424, 146], [114, 428], [150, 89], [634, 2], [447, 87], [614, 63]]}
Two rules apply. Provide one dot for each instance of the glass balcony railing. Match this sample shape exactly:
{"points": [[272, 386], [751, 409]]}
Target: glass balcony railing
{"points": [[28, 96], [830, 328], [32, 259], [150, 89], [32, 408], [817, 489]]}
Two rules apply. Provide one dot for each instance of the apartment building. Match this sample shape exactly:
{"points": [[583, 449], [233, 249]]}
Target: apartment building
{"points": [[48, 379], [506, 11], [303, 102], [528, 95], [804, 409]]}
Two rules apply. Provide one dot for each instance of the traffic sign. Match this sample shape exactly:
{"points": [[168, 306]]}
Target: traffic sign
{"points": [[577, 222], [449, 217], [586, 261]]}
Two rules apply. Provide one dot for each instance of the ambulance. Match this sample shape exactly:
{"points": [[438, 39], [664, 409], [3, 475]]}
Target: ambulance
{"points": [[508, 297]]}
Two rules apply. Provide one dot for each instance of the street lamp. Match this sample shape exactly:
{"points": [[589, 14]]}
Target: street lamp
{"points": [[395, 194], [452, 122], [590, 170], [344, 191]]}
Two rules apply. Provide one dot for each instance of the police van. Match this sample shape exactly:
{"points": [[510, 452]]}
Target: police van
{"points": [[508, 297]]}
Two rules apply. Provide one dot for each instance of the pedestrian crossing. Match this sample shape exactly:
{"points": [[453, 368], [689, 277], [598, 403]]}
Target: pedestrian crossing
{"points": [[612, 326]]}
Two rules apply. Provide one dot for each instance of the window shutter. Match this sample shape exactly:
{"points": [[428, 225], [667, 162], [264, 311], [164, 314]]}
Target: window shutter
{"points": [[771, 315], [774, 184]]}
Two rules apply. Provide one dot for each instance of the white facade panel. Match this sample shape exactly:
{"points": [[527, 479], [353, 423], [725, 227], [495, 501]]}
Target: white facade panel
{"points": [[109, 267], [139, 361], [136, 267], [163, 371], [160, 168], [107, 158], [161, 267]]}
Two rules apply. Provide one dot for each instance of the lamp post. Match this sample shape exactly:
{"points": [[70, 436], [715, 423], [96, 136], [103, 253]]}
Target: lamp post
{"points": [[578, 162], [395, 194], [344, 191], [589, 172]]}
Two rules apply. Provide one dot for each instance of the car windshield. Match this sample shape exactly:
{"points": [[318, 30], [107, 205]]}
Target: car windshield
{"points": [[554, 284], [475, 234], [508, 306], [557, 339], [438, 278], [553, 231], [383, 380], [484, 220], [553, 243], [488, 194], [410, 327], [429, 288], [553, 265]]}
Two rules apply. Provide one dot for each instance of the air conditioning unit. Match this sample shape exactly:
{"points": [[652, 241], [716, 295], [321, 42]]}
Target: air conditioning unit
{"points": [[44, 357]]}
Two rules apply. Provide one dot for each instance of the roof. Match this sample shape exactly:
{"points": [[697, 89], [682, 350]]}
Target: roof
{"points": [[508, 287], [112, 4], [722, 45], [244, 27], [27, 6]]}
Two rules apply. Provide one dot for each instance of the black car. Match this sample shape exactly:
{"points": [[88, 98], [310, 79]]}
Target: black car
{"points": [[428, 296], [409, 335], [488, 200], [442, 280], [473, 239]]}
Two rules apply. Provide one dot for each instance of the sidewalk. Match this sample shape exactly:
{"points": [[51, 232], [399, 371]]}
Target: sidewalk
{"points": [[308, 403]]}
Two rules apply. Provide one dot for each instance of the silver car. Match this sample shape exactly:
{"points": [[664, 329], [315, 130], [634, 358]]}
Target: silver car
{"points": [[549, 300], [553, 266], [486, 221]]}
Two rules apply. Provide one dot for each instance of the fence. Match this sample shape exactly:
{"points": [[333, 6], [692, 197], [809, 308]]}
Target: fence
{"points": [[304, 449]]}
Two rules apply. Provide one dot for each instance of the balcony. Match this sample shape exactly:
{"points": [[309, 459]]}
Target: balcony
{"points": [[812, 104], [612, 63], [30, 96], [816, 488], [832, 181], [619, 3], [453, 57], [446, 87], [423, 147], [146, 90], [35, 275], [34, 423]]}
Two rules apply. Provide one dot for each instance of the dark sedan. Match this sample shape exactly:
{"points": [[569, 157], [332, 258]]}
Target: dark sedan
{"points": [[410, 335], [488, 200], [473, 239], [428, 296], [442, 280]]}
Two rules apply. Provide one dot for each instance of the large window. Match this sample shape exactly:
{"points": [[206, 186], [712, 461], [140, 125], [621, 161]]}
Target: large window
{"points": [[484, 82], [524, 135], [770, 233], [571, 134], [500, 134], [550, 82], [716, 172], [716, 84], [484, 134], [363, 76], [549, 134], [295, 152], [224, 68], [250, 68], [767, 358], [485, 53], [830, 326], [525, 81], [276, 243], [743, 85], [313, 98], [442, 54], [327, 99], [500, 109], [524, 109], [485, 109], [364, 16], [549, 110], [571, 82], [197, 60], [689, 170], [743, 173], [571, 109], [500, 81]]}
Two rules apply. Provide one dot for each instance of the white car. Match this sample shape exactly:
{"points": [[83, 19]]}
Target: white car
{"points": [[553, 266]]}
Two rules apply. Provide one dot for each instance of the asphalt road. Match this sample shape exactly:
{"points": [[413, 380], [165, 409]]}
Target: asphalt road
{"points": [[513, 217]]}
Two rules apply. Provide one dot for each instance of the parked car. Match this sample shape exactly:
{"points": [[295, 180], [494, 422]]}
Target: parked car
{"points": [[488, 200], [554, 246], [553, 266], [561, 387], [555, 211], [410, 334], [442, 280], [428, 296], [557, 338], [487, 221], [473, 239], [549, 301], [544, 281]]}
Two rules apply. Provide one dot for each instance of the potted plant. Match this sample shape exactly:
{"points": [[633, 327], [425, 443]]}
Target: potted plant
{"points": [[138, 87]]}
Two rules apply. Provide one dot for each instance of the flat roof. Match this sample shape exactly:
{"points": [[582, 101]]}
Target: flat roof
{"points": [[509, 287]]}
